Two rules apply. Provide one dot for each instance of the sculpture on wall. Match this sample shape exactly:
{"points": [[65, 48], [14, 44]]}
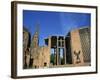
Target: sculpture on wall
{"points": [[77, 54]]}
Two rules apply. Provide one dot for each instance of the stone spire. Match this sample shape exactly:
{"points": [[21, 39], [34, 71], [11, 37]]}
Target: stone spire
{"points": [[35, 39]]}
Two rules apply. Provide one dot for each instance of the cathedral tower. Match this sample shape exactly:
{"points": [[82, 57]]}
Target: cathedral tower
{"points": [[35, 46]]}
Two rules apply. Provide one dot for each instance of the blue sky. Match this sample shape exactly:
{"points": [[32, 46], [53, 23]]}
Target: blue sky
{"points": [[54, 23]]}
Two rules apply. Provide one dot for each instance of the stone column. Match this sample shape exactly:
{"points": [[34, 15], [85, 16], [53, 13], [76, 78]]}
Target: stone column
{"points": [[49, 48], [54, 56], [64, 51], [57, 53], [59, 59]]}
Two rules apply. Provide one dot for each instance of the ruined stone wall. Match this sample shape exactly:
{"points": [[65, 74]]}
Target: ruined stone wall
{"points": [[26, 49], [41, 58]]}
